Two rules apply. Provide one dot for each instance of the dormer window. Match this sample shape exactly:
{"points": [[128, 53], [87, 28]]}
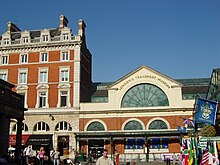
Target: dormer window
{"points": [[65, 36], [25, 40], [45, 38], [6, 41]]}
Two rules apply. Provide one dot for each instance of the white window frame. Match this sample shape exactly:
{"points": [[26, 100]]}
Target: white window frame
{"points": [[63, 87], [3, 76], [39, 94], [44, 57], [67, 98], [22, 71], [45, 37], [4, 73], [64, 55], [39, 126], [23, 56], [6, 41], [42, 97], [25, 40], [4, 59], [45, 77], [64, 73], [24, 93], [24, 127], [66, 36], [63, 126]]}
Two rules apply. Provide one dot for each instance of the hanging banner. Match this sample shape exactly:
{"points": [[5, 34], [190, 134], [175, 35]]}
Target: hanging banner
{"points": [[206, 111]]}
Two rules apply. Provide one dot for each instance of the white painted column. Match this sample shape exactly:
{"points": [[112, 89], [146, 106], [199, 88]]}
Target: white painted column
{"points": [[76, 81]]}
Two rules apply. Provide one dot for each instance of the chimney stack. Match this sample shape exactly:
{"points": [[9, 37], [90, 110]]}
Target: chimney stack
{"points": [[12, 27], [63, 21], [81, 27]]}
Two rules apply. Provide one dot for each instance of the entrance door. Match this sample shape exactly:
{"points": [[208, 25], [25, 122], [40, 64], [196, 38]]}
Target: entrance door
{"points": [[95, 148], [63, 145]]}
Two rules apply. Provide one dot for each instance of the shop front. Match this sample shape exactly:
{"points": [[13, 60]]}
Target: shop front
{"points": [[38, 141], [12, 140], [142, 145]]}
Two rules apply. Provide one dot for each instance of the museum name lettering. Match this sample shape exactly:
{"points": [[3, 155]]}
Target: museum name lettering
{"points": [[146, 77]]}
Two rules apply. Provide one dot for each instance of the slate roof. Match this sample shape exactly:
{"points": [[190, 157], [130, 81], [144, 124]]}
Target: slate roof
{"points": [[34, 33], [194, 81]]}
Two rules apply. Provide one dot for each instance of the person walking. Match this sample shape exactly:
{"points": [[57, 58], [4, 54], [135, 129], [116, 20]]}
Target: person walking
{"points": [[40, 155], [116, 158], [28, 154], [56, 157], [104, 160]]}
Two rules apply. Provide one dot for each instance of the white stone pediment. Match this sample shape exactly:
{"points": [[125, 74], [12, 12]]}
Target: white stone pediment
{"points": [[145, 74]]}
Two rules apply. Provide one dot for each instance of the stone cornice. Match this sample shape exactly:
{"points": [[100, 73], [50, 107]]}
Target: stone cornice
{"points": [[39, 47]]}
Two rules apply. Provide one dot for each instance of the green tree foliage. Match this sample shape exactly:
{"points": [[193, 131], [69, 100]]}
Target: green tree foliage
{"points": [[207, 131]]}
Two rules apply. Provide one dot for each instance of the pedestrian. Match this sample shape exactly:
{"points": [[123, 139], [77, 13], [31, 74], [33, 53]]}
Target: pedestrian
{"points": [[116, 158], [174, 158], [104, 160], [40, 155], [75, 157], [51, 155], [28, 154], [56, 157]]}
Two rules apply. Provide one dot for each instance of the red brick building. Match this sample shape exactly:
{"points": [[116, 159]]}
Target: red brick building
{"points": [[52, 69]]}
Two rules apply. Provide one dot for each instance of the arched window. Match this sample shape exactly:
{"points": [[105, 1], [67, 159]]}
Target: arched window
{"points": [[95, 126], [157, 124], [24, 127], [63, 126], [144, 95], [133, 125], [41, 126]]}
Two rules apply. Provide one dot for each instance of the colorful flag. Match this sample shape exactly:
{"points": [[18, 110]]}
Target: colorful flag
{"points": [[185, 120], [205, 158], [191, 153], [181, 129], [186, 152], [206, 111], [196, 150], [191, 123], [211, 152]]}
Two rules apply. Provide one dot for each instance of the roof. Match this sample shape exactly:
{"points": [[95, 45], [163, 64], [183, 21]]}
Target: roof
{"points": [[194, 81], [190, 85], [34, 33]]}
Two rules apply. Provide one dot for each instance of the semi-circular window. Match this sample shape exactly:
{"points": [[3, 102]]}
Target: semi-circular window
{"points": [[24, 127], [41, 126], [158, 124], [63, 126], [144, 95], [95, 126], [133, 125]]}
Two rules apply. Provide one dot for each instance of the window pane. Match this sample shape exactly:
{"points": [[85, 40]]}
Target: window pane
{"points": [[63, 101], [3, 76], [22, 78], [42, 100], [43, 57], [43, 76], [64, 75], [4, 60]]}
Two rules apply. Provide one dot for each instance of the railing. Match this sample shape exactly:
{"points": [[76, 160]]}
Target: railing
{"points": [[9, 97]]}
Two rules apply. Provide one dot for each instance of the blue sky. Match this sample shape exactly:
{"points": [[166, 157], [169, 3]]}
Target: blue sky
{"points": [[179, 38]]}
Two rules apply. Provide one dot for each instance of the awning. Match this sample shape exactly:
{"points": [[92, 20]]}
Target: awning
{"points": [[39, 140], [126, 134], [12, 139]]}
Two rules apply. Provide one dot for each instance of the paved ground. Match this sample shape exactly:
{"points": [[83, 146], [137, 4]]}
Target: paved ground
{"points": [[131, 163]]}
